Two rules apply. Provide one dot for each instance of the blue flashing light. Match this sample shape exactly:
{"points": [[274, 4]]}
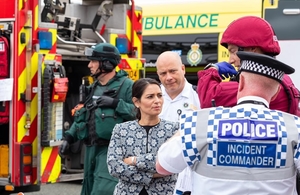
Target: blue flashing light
{"points": [[45, 39], [122, 45]]}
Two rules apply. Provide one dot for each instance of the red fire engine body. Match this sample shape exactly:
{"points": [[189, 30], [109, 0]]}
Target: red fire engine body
{"points": [[42, 46]]}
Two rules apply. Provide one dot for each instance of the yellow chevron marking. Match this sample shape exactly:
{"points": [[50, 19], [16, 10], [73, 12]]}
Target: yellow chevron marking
{"points": [[22, 121], [34, 149], [21, 129], [128, 29], [21, 4], [22, 77], [55, 170], [45, 157], [34, 109]]}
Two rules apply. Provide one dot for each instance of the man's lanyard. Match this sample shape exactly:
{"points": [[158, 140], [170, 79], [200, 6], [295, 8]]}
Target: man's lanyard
{"points": [[252, 102], [179, 113]]}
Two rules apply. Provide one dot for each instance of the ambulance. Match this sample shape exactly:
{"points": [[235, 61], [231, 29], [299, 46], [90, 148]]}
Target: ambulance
{"points": [[193, 28], [42, 67]]}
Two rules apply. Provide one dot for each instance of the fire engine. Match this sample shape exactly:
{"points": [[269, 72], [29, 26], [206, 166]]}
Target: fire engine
{"points": [[42, 66]]}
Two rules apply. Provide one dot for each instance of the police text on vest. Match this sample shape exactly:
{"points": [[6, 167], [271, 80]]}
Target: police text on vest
{"points": [[248, 129]]}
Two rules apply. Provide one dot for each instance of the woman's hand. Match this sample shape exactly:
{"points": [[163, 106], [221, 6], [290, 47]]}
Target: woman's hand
{"points": [[130, 160]]}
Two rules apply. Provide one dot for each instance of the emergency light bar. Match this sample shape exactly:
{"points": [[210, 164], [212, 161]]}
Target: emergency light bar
{"points": [[122, 45], [45, 38]]}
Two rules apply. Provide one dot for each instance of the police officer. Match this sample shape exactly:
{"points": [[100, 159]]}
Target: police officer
{"points": [[108, 102], [247, 149], [179, 96]]}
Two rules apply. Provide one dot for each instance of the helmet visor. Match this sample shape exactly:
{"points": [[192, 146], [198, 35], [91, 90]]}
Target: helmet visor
{"points": [[88, 52]]}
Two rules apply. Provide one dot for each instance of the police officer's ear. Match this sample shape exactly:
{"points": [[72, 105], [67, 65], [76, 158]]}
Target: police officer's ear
{"points": [[277, 92], [107, 66], [241, 82]]}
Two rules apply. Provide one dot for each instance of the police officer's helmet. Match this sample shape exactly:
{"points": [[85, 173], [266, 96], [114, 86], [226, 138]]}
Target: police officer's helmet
{"points": [[105, 53]]}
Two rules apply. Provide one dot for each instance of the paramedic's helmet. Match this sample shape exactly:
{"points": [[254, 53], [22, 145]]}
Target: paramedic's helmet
{"points": [[107, 54], [251, 31]]}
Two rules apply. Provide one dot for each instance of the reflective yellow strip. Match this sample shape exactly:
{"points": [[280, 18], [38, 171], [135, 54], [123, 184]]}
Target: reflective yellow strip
{"points": [[54, 32], [113, 38], [36, 19]]}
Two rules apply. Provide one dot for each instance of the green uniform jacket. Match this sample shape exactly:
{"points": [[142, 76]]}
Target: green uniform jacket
{"points": [[105, 118], [97, 180]]}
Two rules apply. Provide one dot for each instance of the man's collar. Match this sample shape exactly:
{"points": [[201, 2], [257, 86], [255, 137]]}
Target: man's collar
{"points": [[253, 98]]}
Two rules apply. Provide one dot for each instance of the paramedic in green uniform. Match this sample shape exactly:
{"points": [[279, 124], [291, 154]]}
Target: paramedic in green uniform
{"points": [[108, 102]]}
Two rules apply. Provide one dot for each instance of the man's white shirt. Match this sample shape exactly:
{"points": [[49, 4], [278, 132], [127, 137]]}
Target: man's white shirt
{"points": [[187, 100]]}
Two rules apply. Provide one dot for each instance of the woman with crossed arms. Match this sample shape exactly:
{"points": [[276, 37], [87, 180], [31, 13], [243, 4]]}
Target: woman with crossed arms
{"points": [[133, 146]]}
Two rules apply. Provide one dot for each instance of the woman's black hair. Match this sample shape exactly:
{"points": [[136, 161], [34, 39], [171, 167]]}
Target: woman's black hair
{"points": [[138, 89]]}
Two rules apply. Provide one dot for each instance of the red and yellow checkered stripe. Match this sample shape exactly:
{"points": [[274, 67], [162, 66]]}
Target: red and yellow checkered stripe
{"points": [[50, 160]]}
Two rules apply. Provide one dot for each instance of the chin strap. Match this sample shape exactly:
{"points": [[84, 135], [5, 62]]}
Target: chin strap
{"points": [[96, 75], [101, 68]]}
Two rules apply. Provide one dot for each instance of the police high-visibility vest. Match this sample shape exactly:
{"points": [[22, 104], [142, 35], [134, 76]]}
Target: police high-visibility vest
{"points": [[241, 150]]}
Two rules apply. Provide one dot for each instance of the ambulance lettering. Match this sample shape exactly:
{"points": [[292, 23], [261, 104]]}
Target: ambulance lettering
{"points": [[247, 143], [181, 22]]}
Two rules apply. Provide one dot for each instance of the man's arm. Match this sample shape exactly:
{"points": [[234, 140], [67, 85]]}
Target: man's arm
{"points": [[210, 86], [170, 158]]}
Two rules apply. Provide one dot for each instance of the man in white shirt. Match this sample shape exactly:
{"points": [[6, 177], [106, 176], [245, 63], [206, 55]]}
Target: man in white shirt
{"points": [[246, 149], [179, 96]]}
